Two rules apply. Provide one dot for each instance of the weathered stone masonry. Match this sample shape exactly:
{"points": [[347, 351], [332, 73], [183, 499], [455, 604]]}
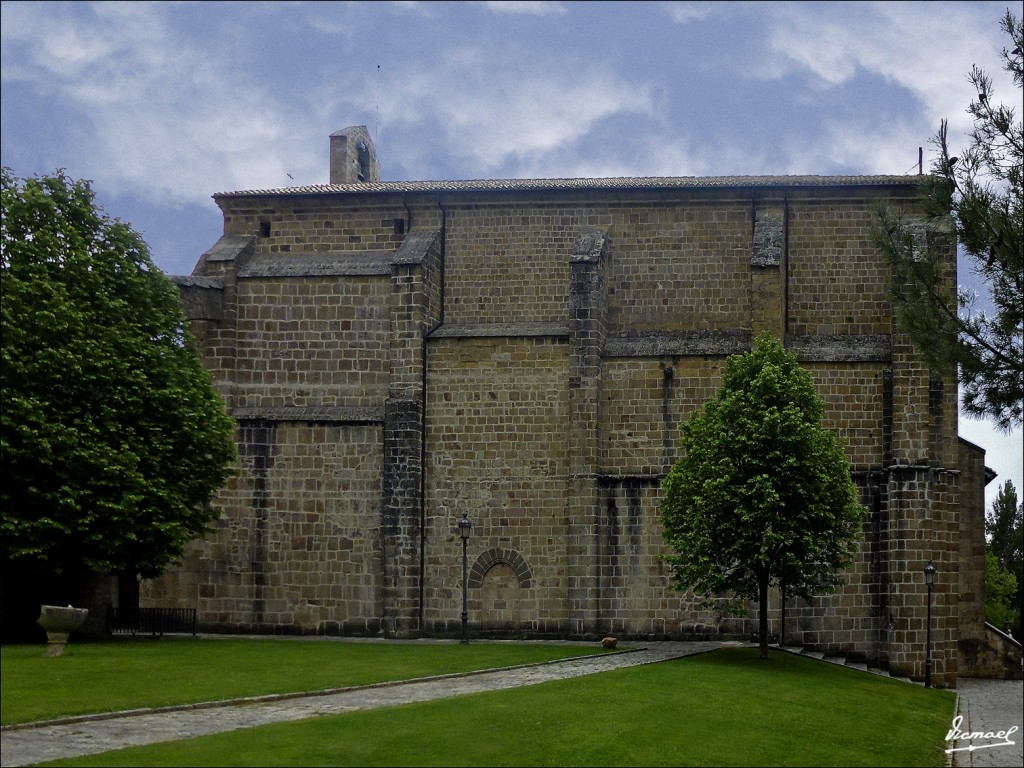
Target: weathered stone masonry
{"points": [[400, 354]]}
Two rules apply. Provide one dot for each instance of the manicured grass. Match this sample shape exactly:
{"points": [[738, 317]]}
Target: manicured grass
{"points": [[130, 673], [723, 708]]}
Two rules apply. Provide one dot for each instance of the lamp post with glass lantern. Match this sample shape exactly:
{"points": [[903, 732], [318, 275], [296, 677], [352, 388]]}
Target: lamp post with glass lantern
{"points": [[464, 528], [929, 579]]}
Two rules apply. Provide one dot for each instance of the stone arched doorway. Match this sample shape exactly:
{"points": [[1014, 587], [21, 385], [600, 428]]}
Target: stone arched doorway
{"points": [[501, 578]]}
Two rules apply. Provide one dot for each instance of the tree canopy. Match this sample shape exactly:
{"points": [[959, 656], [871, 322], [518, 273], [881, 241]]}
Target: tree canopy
{"points": [[1000, 594], [979, 195], [113, 439], [763, 494], [1004, 555]]}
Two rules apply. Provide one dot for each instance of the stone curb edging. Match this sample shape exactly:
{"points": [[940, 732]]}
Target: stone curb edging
{"points": [[951, 757]]}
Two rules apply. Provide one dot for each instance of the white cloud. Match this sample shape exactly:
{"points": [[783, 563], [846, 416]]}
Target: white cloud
{"points": [[415, 6], [329, 25], [837, 42], [842, 46], [161, 113], [1003, 453], [860, 146], [498, 107], [685, 12], [526, 8], [679, 155], [177, 120], [56, 46]]}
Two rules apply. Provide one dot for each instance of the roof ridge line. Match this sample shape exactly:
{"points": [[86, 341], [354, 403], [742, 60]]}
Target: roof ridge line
{"points": [[562, 183]]}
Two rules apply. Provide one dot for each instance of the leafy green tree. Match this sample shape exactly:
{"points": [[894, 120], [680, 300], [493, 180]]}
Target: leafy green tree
{"points": [[1000, 593], [113, 439], [1004, 530], [762, 495], [981, 194]]}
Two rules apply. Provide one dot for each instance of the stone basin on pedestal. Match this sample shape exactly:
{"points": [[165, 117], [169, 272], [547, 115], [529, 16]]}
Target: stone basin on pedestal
{"points": [[59, 622]]}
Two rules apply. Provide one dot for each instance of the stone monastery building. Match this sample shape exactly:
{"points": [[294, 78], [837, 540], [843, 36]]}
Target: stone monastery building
{"points": [[399, 355]]}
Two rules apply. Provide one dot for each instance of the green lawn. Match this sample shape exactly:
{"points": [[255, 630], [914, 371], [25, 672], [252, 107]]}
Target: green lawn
{"points": [[130, 673], [723, 708]]}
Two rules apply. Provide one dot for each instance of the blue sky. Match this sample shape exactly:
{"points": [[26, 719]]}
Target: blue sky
{"points": [[161, 105]]}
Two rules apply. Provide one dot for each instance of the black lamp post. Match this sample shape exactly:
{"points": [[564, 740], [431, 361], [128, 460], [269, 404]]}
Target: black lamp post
{"points": [[464, 528], [929, 579]]}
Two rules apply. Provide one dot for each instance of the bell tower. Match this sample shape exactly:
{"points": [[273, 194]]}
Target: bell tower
{"points": [[353, 156]]}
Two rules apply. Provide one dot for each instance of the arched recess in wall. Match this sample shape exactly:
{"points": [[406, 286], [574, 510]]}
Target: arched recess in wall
{"points": [[501, 578], [492, 557]]}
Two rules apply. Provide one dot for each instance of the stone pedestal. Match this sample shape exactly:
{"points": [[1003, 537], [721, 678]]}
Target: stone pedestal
{"points": [[59, 622]]}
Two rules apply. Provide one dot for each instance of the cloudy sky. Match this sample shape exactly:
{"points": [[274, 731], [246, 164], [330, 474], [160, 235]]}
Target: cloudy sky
{"points": [[161, 105]]}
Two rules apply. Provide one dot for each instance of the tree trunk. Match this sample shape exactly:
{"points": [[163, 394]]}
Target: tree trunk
{"points": [[762, 612]]}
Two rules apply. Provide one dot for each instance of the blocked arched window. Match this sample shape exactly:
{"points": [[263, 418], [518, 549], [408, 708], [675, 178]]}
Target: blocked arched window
{"points": [[491, 557]]}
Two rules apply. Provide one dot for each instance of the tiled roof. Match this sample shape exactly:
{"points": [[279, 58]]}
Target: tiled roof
{"points": [[533, 185]]}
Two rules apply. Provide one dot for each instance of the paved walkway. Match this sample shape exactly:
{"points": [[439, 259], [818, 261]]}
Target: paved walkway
{"points": [[986, 705], [93, 734], [989, 706]]}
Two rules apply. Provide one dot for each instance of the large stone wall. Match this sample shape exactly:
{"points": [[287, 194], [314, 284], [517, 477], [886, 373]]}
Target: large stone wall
{"points": [[838, 284], [497, 452], [400, 356]]}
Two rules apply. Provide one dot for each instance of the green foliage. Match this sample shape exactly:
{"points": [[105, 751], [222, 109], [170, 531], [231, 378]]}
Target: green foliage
{"points": [[980, 194], [1004, 529], [762, 495], [1000, 591], [113, 439]]}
